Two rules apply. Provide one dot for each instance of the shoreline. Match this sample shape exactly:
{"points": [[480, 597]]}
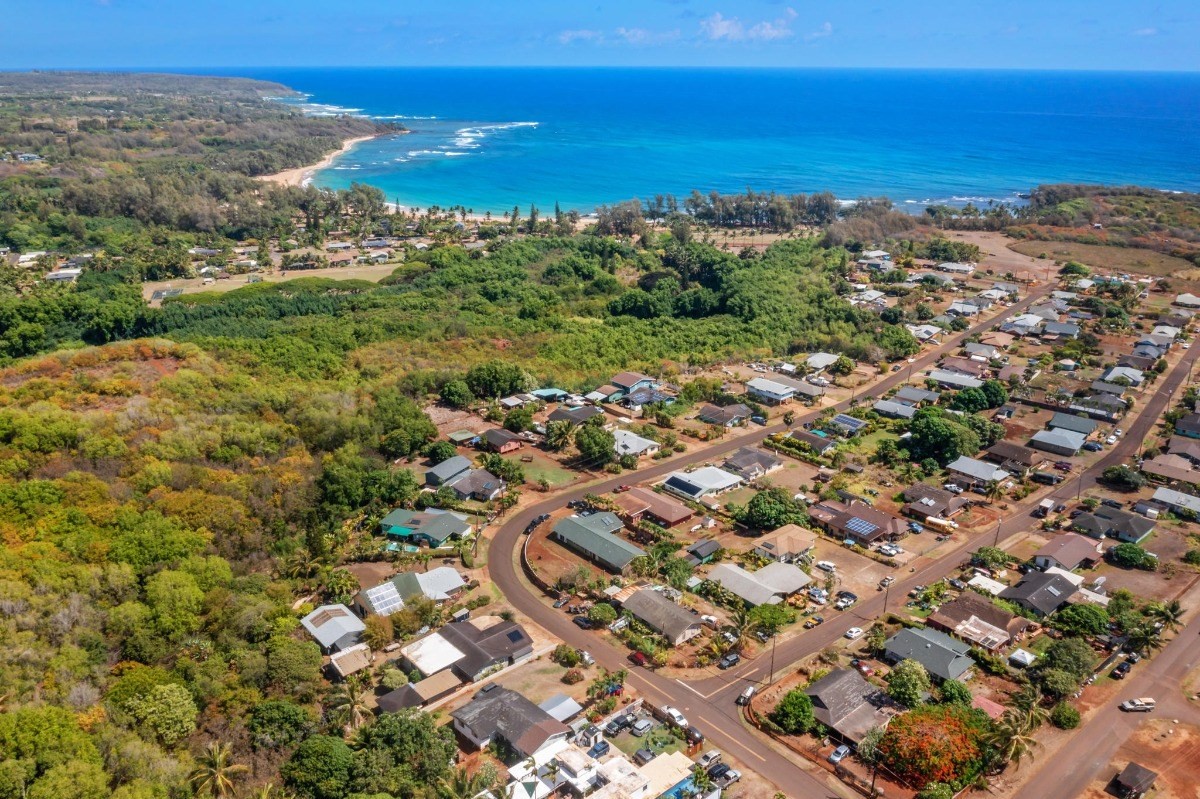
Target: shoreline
{"points": [[303, 175]]}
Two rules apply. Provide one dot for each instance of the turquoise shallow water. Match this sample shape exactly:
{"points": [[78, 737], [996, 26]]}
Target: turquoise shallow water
{"points": [[493, 138]]}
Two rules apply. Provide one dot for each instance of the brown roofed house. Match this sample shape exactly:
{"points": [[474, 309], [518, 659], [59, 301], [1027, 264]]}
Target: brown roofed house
{"points": [[975, 619], [502, 441], [1014, 458], [638, 503], [498, 712]]}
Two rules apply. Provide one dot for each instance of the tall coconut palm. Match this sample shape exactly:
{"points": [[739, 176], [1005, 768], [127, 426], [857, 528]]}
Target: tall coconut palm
{"points": [[348, 704], [995, 491], [463, 784], [742, 624], [215, 772], [1012, 738], [269, 791], [560, 434], [1145, 638], [1169, 613]]}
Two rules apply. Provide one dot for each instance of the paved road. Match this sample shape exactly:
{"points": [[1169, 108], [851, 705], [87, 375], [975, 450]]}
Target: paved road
{"points": [[709, 702]]}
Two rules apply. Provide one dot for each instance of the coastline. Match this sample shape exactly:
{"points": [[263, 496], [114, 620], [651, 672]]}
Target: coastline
{"points": [[302, 175]]}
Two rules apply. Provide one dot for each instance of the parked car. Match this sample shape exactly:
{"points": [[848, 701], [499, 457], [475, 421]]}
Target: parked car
{"points": [[953, 488], [638, 659], [1112, 503], [745, 696], [586, 657], [854, 632], [709, 759], [826, 566], [915, 528], [693, 736], [957, 585], [886, 581], [600, 749], [711, 621], [1110, 440], [1143, 705], [813, 621], [731, 776], [619, 724], [643, 756], [1062, 466], [621, 489], [718, 771], [729, 661], [839, 754], [641, 727], [762, 635], [559, 603], [677, 718], [863, 667], [583, 622], [1092, 446], [1121, 670]]}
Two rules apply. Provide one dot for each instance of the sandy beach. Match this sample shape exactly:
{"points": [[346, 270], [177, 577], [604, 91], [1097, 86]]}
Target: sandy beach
{"points": [[302, 174]]}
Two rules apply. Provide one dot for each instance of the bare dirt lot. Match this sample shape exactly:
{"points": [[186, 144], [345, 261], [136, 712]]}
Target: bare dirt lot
{"points": [[1172, 750], [1123, 259]]}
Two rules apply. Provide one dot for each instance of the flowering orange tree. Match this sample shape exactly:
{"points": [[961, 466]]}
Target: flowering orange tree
{"points": [[934, 743]]}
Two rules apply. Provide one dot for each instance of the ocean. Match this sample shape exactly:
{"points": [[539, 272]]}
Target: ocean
{"points": [[489, 139]]}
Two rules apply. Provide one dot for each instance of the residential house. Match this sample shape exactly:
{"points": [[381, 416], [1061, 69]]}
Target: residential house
{"points": [[1115, 389], [974, 472], [1106, 522], [1187, 300], [478, 484], [1026, 324], [847, 425], [819, 444], [771, 391], [1072, 422], [788, 544], [770, 585], [728, 416], [640, 397], [628, 443], [1185, 447], [962, 308], [1177, 501], [804, 390], [996, 339], [604, 394], [857, 521], [1014, 458], [422, 692], [1171, 469], [580, 415], [447, 471], [702, 552], [751, 463], [1058, 441], [820, 361], [966, 366], [925, 501], [431, 526], [973, 618], [439, 585], [641, 503], [350, 661], [502, 441], [629, 382], [911, 395], [663, 616], [942, 656], [470, 651], [924, 333], [334, 627], [701, 484], [894, 410], [1135, 780], [1188, 426], [497, 712], [981, 350], [1103, 406], [594, 538], [1166, 331], [1040, 593], [1135, 376], [848, 705], [954, 380], [956, 268], [1068, 552], [1060, 329]]}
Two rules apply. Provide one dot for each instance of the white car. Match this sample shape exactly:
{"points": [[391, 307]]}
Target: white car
{"points": [[731, 776], [1110, 440], [709, 758], [952, 488], [826, 566], [677, 718], [854, 632]]}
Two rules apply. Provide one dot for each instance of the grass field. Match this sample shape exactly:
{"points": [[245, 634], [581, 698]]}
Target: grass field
{"points": [[195, 285], [542, 467], [1124, 259]]}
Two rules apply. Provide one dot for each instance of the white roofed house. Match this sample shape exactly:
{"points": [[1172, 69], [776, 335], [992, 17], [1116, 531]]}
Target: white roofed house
{"points": [[819, 361], [334, 627], [771, 391], [975, 472], [702, 483], [770, 585], [627, 443]]}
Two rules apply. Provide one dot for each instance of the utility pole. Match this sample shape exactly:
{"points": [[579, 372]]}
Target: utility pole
{"points": [[996, 541], [774, 638], [887, 590]]}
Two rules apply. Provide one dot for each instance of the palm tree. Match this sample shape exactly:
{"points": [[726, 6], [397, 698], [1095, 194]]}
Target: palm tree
{"points": [[215, 772], [1169, 613], [462, 784], [349, 705], [1145, 638], [299, 565], [340, 585], [995, 491], [269, 791], [1011, 738], [560, 434], [742, 624]]}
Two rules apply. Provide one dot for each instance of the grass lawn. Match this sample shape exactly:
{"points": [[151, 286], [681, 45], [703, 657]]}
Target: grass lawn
{"points": [[866, 445], [1038, 645], [1097, 256], [659, 740], [542, 468]]}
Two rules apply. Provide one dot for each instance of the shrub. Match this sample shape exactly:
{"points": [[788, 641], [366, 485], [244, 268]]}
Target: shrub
{"points": [[1192, 556], [565, 655], [573, 677], [1064, 716], [794, 713]]}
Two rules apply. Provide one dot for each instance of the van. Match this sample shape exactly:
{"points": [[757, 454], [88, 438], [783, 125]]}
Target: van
{"points": [[641, 727], [745, 696], [826, 566]]}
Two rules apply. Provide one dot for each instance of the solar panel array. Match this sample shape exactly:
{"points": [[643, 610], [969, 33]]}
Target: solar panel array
{"points": [[385, 599], [861, 526]]}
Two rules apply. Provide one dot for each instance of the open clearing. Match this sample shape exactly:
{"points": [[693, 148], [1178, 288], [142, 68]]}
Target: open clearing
{"points": [[1124, 259], [195, 285]]}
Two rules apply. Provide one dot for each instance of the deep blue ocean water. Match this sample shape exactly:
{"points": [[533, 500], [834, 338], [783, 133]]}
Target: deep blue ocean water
{"points": [[493, 138]]}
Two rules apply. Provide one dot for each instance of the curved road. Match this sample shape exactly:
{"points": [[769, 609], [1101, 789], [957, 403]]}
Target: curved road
{"points": [[709, 702]]}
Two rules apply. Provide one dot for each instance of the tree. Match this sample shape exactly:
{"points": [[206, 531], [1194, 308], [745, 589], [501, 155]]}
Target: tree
{"points": [[933, 743], [348, 704], [1082, 620], [496, 379], [215, 773], [291, 663], [1131, 556], [936, 790], [908, 682], [340, 586], [463, 783], [897, 342], [277, 723], [440, 451], [1124, 478], [842, 366], [602, 613], [955, 693], [1072, 655], [519, 420], [770, 509], [995, 392], [378, 632], [794, 713], [990, 557], [1011, 737], [559, 434], [320, 768], [770, 618], [970, 400], [596, 445], [939, 437], [1064, 716], [406, 747], [457, 394], [167, 710], [1145, 638], [1056, 683], [72, 780], [1169, 613]]}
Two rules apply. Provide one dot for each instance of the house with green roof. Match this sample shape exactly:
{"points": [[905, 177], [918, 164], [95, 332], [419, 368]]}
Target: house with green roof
{"points": [[594, 538], [430, 527]]}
